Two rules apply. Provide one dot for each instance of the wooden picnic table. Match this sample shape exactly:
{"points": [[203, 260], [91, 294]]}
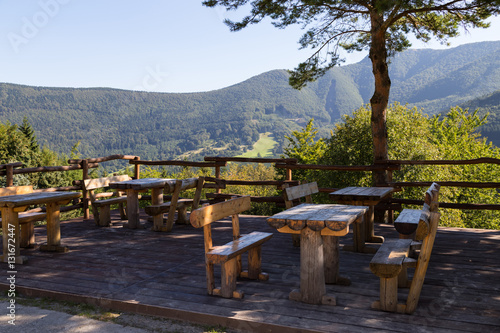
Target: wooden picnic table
{"points": [[12, 205], [320, 227], [364, 196], [133, 187]]}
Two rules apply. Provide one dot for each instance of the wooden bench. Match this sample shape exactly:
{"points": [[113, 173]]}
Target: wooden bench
{"points": [[229, 255], [292, 196], [395, 256], [101, 208], [26, 219], [178, 203]]}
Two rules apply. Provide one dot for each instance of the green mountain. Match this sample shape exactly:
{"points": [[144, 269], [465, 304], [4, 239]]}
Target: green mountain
{"points": [[224, 122], [490, 105]]}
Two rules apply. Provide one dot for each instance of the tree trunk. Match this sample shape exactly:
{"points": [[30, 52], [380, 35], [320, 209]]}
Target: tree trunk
{"points": [[380, 98]]}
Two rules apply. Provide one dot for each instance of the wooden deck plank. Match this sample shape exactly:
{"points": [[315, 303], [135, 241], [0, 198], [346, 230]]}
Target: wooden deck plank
{"points": [[167, 272]]}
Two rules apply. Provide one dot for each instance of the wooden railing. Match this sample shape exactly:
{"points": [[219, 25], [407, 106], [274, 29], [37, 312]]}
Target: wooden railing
{"points": [[217, 163]]}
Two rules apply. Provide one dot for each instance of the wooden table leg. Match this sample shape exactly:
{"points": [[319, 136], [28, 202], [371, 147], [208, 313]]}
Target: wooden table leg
{"points": [[11, 237], [157, 199], [53, 230], [133, 209], [331, 257], [312, 272]]}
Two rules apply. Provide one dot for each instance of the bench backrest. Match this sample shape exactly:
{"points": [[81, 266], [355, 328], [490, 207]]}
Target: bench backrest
{"points": [[300, 191], [207, 214], [204, 216], [426, 231], [15, 190], [92, 184], [431, 205], [417, 222]]}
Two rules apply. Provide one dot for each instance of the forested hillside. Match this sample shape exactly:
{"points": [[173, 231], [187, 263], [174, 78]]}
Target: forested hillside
{"points": [[490, 105], [227, 121]]}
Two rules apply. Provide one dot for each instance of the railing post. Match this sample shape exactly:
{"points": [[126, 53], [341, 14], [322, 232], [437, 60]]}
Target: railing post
{"points": [[9, 173], [85, 193], [390, 212], [137, 168], [288, 174], [217, 175]]}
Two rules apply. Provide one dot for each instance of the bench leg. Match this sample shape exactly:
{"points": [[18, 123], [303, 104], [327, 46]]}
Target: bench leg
{"points": [[95, 213], [123, 211], [105, 216], [157, 199], [388, 294], [170, 218], [210, 277], [403, 281], [27, 235], [255, 265], [229, 273], [182, 216]]}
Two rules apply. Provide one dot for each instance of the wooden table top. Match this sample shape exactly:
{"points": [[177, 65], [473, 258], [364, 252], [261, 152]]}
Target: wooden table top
{"points": [[142, 184], [354, 193], [36, 198], [317, 216]]}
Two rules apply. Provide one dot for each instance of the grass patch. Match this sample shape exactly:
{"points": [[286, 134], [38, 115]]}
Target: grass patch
{"points": [[262, 148]]}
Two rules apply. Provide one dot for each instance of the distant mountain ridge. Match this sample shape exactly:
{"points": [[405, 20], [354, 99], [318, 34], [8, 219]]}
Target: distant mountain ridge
{"points": [[223, 122]]}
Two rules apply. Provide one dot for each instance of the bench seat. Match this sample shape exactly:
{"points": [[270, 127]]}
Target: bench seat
{"points": [[27, 230], [165, 207], [389, 259], [223, 253], [108, 202]]}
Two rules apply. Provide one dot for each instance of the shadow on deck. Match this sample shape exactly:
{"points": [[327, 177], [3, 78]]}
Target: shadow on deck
{"points": [[163, 274]]}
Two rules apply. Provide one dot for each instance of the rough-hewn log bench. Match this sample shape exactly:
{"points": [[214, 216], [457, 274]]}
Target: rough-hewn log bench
{"points": [[229, 255], [26, 219], [101, 208], [395, 256], [177, 203], [292, 196]]}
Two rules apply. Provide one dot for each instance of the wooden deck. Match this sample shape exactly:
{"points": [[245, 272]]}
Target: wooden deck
{"points": [[163, 274]]}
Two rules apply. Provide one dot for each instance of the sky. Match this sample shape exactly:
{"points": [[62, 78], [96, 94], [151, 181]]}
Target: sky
{"points": [[148, 45]]}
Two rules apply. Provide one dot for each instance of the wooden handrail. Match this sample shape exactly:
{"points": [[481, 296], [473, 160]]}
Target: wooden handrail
{"points": [[105, 159], [251, 160], [251, 182], [178, 163], [443, 162], [452, 184], [337, 167], [49, 169], [14, 165]]}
